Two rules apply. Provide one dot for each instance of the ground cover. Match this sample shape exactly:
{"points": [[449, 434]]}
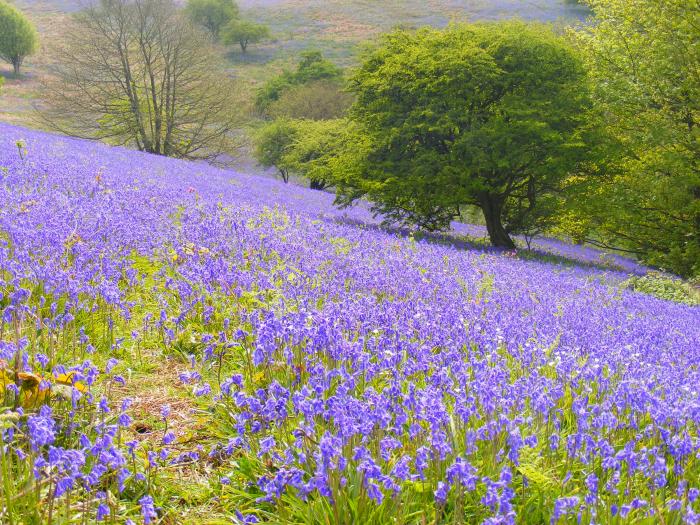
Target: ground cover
{"points": [[182, 344]]}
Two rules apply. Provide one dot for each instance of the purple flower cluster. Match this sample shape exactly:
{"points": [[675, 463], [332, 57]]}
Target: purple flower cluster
{"points": [[360, 363]]}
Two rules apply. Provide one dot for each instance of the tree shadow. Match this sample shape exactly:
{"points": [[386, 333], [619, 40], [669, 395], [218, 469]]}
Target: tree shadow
{"points": [[254, 55], [482, 246]]}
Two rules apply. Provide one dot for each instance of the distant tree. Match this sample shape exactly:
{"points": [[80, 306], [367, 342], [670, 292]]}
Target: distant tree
{"points": [[273, 142], [18, 38], [244, 33], [155, 82], [315, 100], [489, 115], [644, 60], [312, 67], [212, 14]]}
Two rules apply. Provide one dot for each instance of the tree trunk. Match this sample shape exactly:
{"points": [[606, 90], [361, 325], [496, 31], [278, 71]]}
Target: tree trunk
{"points": [[16, 63], [492, 208], [317, 184]]}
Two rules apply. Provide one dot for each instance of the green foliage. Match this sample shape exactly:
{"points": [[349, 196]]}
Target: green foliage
{"points": [[315, 100], [490, 115], [212, 14], [18, 38], [646, 65], [272, 144], [311, 67], [314, 149], [665, 287], [319, 149], [244, 33]]}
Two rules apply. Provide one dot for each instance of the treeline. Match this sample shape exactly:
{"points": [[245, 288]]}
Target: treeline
{"points": [[591, 134]]}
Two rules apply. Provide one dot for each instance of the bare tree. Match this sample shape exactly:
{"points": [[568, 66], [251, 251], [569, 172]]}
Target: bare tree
{"points": [[137, 72]]}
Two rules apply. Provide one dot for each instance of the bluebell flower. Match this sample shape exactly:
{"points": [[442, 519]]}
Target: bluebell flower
{"points": [[148, 510], [102, 512]]}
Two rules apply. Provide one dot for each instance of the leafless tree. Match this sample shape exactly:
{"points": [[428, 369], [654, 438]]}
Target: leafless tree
{"points": [[137, 72]]}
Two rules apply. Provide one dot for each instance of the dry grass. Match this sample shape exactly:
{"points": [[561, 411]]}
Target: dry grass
{"points": [[18, 96], [150, 389]]}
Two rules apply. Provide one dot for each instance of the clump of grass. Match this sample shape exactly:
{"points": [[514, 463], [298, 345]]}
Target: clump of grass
{"points": [[665, 287]]}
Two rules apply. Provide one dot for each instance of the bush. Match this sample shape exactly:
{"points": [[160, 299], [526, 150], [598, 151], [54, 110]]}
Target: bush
{"points": [[311, 67], [665, 287], [317, 100]]}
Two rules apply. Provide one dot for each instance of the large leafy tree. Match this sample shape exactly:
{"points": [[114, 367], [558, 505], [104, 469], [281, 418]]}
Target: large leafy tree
{"points": [[18, 38], [489, 115], [212, 14], [645, 61]]}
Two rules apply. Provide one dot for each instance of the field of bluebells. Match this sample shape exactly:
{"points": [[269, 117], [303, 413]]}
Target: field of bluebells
{"points": [[182, 344]]}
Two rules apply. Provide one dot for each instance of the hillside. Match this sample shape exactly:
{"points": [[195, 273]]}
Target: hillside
{"points": [[219, 350], [334, 27]]}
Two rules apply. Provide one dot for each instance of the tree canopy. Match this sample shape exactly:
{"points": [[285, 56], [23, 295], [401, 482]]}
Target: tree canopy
{"points": [[244, 33], [319, 148], [645, 62], [313, 149], [490, 115], [212, 14], [18, 38]]}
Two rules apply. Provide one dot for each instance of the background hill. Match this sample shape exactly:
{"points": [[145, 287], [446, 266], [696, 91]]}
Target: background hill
{"points": [[335, 27]]}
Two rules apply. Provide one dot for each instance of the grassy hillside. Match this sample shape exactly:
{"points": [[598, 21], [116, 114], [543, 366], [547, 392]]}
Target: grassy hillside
{"points": [[180, 345], [335, 27]]}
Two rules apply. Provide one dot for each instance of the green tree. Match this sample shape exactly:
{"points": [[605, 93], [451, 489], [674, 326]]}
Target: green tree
{"points": [[313, 149], [645, 62], [322, 148], [18, 38], [312, 67], [273, 142], [212, 14], [244, 33], [489, 115]]}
